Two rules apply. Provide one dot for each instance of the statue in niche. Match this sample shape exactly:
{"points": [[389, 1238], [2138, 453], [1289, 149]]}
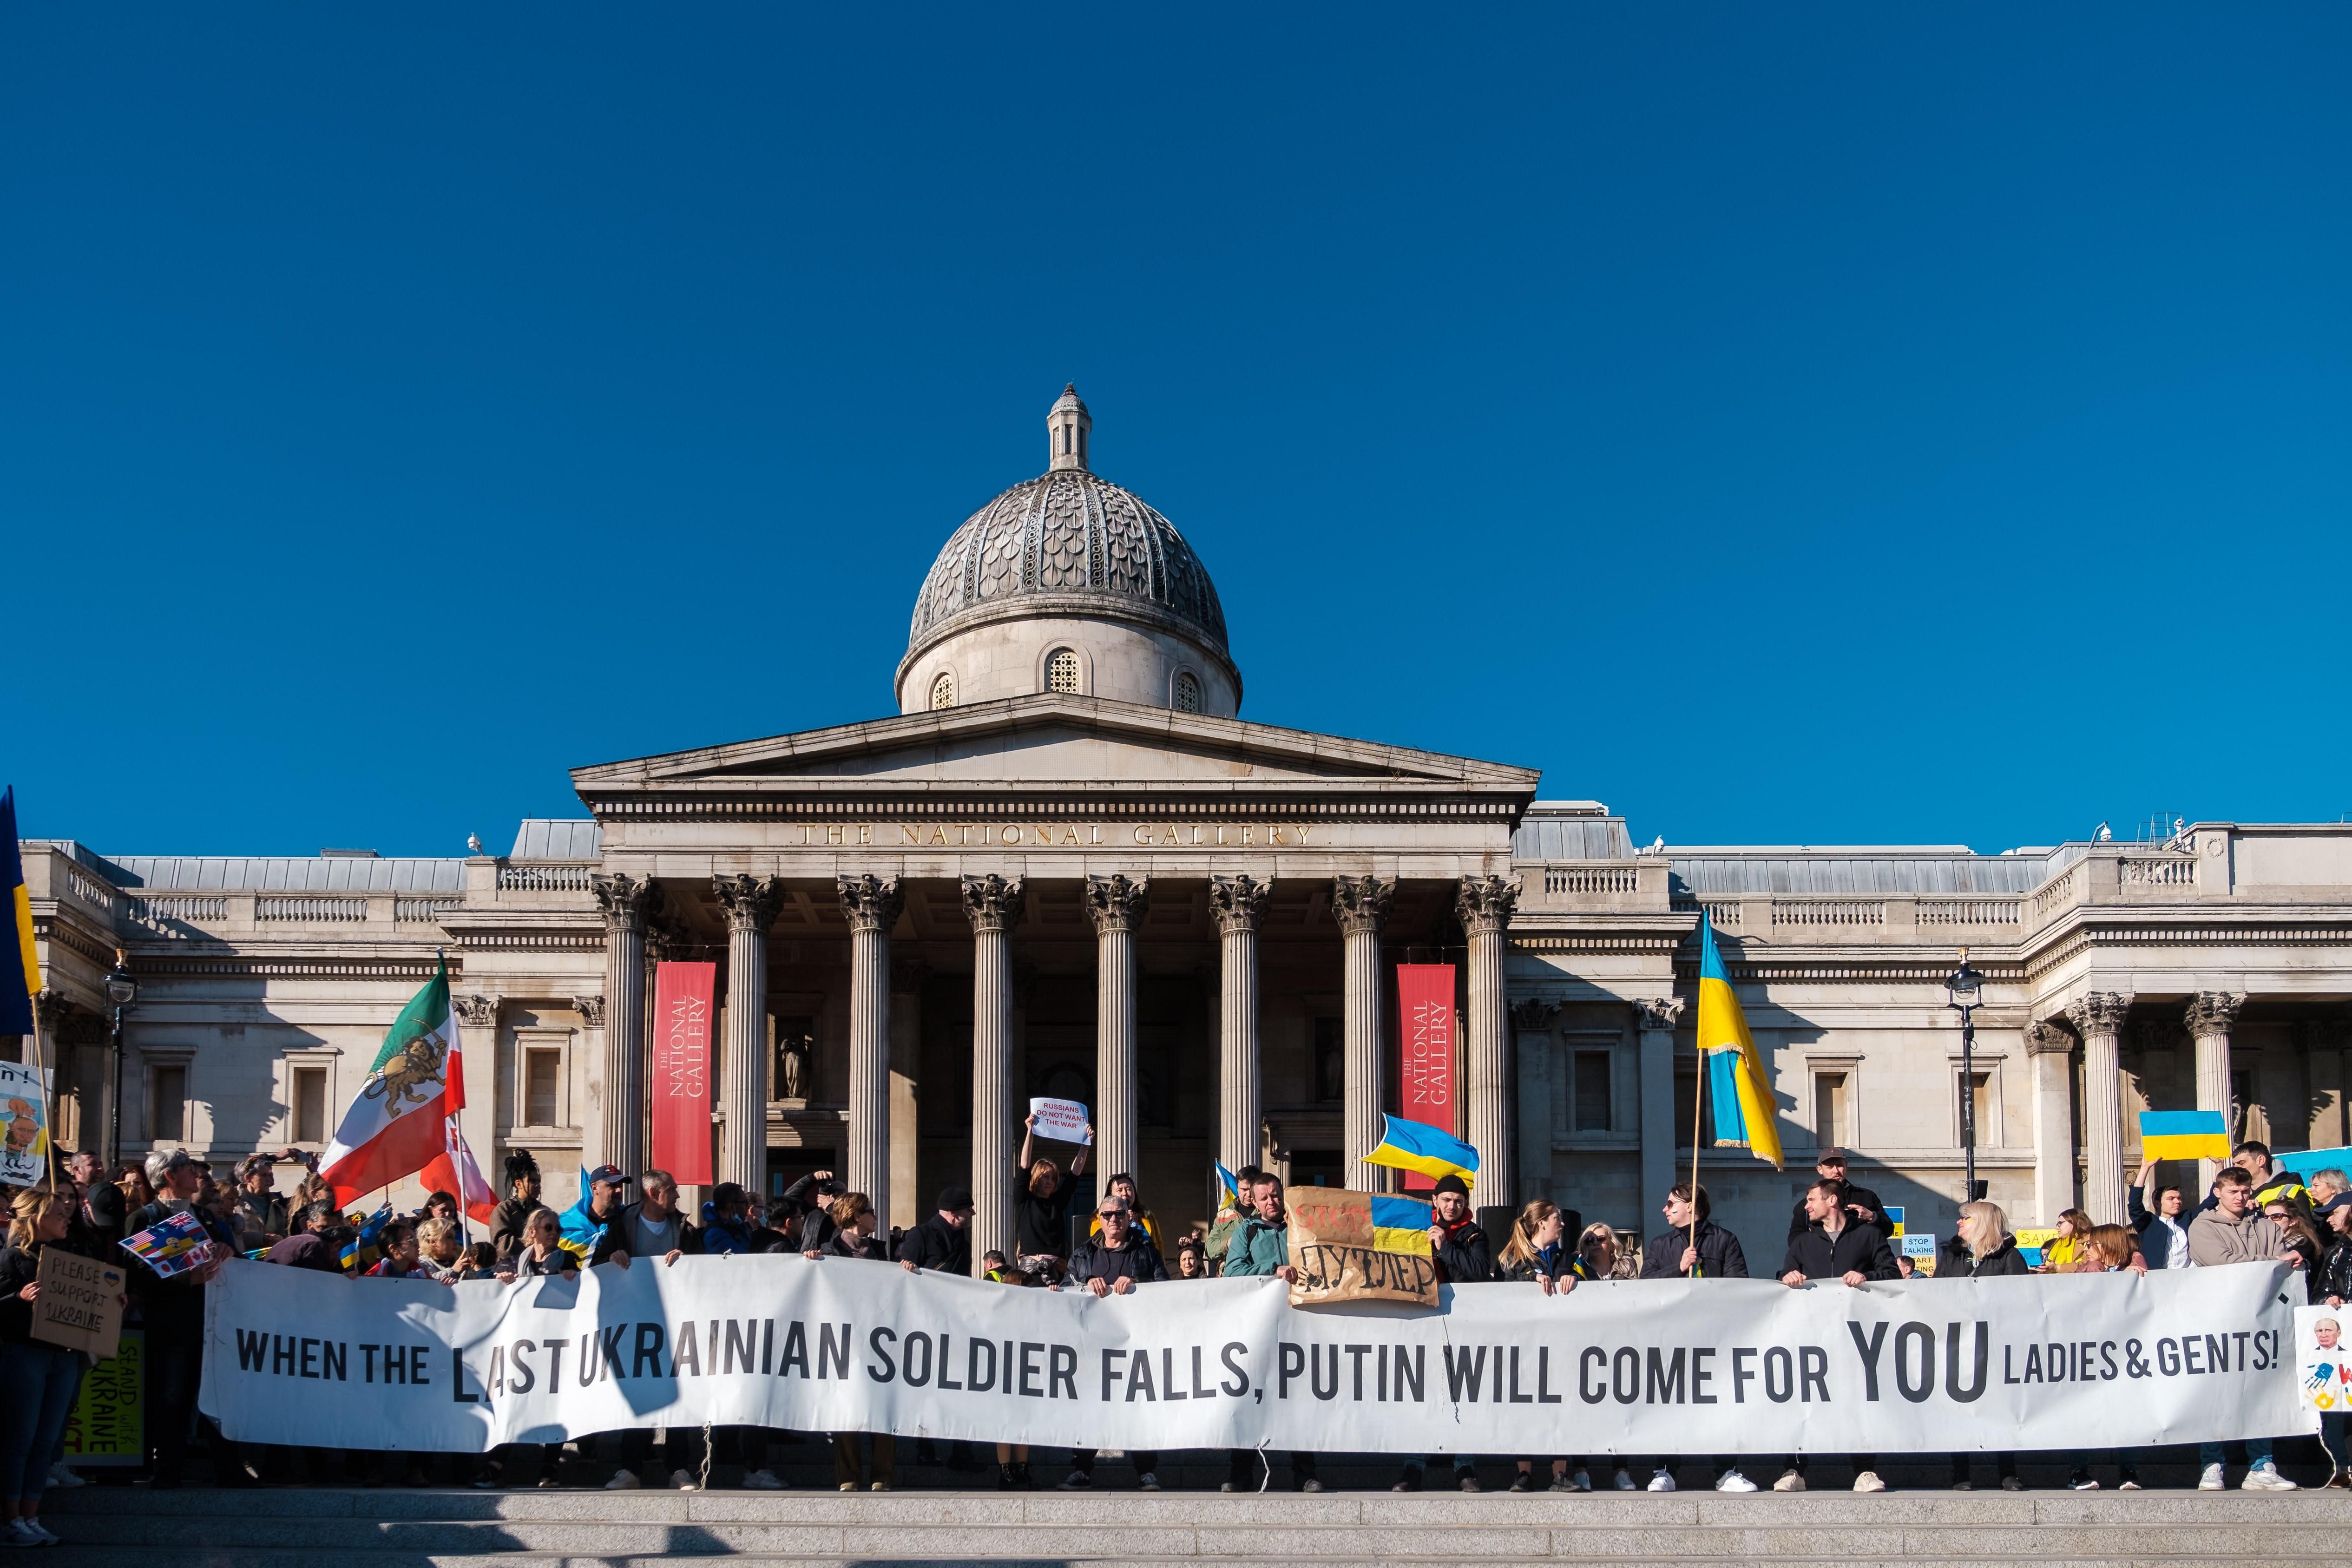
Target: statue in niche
{"points": [[793, 1068]]}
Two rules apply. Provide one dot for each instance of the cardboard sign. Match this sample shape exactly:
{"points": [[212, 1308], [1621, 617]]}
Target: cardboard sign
{"points": [[1064, 1121], [1333, 1247], [23, 1124], [1918, 1246], [108, 1424], [80, 1305]]}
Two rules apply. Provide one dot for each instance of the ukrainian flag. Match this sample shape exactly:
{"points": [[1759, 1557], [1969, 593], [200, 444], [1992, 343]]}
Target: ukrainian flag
{"points": [[1418, 1147], [1735, 1072], [2183, 1135], [1399, 1225], [16, 1003]]}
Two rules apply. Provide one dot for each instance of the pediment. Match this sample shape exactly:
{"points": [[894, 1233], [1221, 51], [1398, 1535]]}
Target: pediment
{"points": [[1055, 739]]}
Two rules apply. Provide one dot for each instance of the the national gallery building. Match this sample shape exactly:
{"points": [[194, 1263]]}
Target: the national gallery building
{"points": [[1067, 865]]}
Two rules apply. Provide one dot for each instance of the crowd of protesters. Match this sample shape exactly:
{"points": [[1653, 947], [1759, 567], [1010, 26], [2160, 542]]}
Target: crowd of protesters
{"points": [[1839, 1231]]}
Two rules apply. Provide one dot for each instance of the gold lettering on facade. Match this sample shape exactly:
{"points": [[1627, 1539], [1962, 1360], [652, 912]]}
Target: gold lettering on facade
{"points": [[911, 836], [939, 835], [1273, 834], [1046, 835], [834, 833], [1245, 833], [1069, 835], [1008, 835], [864, 832], [1143, 835]]}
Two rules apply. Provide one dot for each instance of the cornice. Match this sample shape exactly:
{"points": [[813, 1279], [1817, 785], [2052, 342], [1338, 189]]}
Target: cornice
{"points": [[168, 962], [2198, 930], [920, 801]]}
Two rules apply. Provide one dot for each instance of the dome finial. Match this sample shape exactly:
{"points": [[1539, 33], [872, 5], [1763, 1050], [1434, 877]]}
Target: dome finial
{"points": [[1066, 428]]}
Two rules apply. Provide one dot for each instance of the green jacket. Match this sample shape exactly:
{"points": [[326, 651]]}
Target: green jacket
{"points": [[1258, 1248]]}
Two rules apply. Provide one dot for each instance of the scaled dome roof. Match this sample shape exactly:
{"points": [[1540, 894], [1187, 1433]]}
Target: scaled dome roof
{"points": [[1068, 533]]}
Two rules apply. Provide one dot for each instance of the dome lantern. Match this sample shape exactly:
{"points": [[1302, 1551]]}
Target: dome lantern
{"points": [[1068, 424]]}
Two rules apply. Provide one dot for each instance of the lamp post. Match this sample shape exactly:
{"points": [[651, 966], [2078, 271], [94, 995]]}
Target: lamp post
{"points": [[1967, 987], [122, 990]]}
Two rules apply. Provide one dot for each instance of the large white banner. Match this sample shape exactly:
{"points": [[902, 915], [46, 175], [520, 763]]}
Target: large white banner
{"points": [[1730, 1366]]}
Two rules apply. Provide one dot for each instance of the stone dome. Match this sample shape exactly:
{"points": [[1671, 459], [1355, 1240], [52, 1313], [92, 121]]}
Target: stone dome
{"points": [[1070, 546]]}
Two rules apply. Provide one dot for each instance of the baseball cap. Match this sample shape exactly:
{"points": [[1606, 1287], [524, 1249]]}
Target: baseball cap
{"points": [[1832, 1155], [2340, 1201], [609, 1174]]}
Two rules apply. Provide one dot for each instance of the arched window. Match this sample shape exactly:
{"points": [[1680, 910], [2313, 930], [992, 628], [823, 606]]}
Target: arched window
{"points": [[1188, 692], [943, 690], [1061, 670]]}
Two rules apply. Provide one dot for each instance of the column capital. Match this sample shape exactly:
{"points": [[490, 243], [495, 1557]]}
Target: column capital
{"points": [[871, 903], [625, 901], [1657, 1012], [2099, 1012], [1238, 902], [751, 902], [992, 903], [1533, 1015], [2045, 1039], [1484, 903], [2212, 1012], [1115, 903], [476, 1011], [590, 1010], [1360, 904]]}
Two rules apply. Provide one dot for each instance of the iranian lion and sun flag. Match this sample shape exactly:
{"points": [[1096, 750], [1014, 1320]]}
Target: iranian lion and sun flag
{"points": [[405, 1118]]}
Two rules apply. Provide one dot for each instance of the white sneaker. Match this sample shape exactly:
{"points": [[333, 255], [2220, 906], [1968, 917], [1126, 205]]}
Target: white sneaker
{"points": [[1077, 1480], [1146, 1481], [1583, 1481], [622, 1481], [2211, 1479], [1868, 1481], [2129, 1486], [1732, 1480], [683, 1480], [1624, 1482], [16, 1532], [1790, 1482], [62, 1474], [763, 1480], [1661, 1482], [2266, 1478], [38, 1528]]}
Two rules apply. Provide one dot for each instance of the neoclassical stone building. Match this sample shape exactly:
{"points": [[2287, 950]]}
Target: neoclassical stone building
{"points": [[1068, 866]]}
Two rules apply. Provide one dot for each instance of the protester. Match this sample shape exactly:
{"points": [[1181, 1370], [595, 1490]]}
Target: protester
{"points": [[727, 1228], [1144, 1222], [2164, 1229], [1459, 1246], [510, 1222], [2302, 1241], [2106, 1249], [2234, 1231], [1599, 1257], [1838, 1246], [317, 1242], [2061, 1251], [944, 1240], [40, 1380], [1192, 1258], [811, 1199], [438, 1206], [442, 1252], [173, 1313], [541, 1253], [2332, 1282], [1538, 1252], [1862, 1204], [1984, 1249], [401, 1254], [603, 1193], [1695, 1247], [1041, 1209], [650, 1228], [261, 1211], [103, 1208], [1113, 1263], [1260, 1247], [1012, 1458], [138, 1192]]}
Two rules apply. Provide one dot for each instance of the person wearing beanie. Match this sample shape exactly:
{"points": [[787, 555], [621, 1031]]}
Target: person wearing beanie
{"points": [[944, 1240]]}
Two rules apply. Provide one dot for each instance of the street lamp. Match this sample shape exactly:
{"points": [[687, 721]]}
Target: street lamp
{"points": [[122, 990], [1967, 987]]}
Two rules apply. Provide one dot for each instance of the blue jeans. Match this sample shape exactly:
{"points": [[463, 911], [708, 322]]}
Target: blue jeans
{"points": [[2258, 1453], [40, 1381]]}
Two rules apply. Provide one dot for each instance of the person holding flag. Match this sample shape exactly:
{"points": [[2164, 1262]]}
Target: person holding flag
{"points": [[398, 1123]]}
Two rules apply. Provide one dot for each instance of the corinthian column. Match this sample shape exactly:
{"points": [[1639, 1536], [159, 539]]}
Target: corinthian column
{"points": [[993, 905], [2210, 1014], [1655, 1019], [1239, 905], [2098, 1018], [627, 902], [751, 904], [1360, 904], [871, 905], [1484, 904], [2049, 1058], [1115, 903]]}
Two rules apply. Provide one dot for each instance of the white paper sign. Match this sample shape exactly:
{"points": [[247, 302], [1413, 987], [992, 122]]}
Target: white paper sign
{"points": [[1918, 1246], [1064, 1121], [23, 1124]]}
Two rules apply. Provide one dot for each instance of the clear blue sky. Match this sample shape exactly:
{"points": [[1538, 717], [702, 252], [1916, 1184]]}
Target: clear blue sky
{"points": [[1786, 423]]}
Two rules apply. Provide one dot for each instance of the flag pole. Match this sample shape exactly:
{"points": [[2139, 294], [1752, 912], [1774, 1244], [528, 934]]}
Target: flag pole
{"points": [[1698, 1102], [43, 1081]]}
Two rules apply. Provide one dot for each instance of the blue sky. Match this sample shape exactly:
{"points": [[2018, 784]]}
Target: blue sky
{"points": [[1787, 424]]}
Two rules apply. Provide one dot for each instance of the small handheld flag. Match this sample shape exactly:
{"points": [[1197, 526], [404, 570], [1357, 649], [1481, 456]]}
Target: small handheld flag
{"points": [[2183, 1135], [1231, 1183], [1418, 1147], [361, 1252], [173, 1245], [1736, 1081]]}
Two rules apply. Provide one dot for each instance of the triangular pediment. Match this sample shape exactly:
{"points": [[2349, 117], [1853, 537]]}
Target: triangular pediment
{"points": [[1055, 739]]}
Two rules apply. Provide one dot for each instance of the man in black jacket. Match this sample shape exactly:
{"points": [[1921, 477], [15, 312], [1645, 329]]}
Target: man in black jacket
{"points": [[1113, 1264], [174, 1311], [1862, 1204], [1709, 1252], [1836, 1247], [652, 1226], [944, 1240], [1463, 1256]]}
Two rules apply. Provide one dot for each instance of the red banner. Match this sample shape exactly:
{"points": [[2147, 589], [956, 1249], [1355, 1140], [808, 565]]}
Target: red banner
{"points": [[1425, 1026], [680, 1082]]}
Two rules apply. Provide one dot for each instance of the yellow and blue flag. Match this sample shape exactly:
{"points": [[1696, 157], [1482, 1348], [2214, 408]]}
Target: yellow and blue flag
{"points": [[1418, 1147], [1230, 1182], [2183, 1135], [1744, 1111], [1399, 1225], [15, 1000]]}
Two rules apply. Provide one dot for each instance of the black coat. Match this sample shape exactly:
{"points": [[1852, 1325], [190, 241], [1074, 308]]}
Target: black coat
{"points": [[1720, 1256], [1959, 1263], [1554, 1262], [1856, 1249], [936, 1244], [1097, 1259], [1854, 1194], [2155, 1240], [615, 1236], [2333, 1275], [1465, 1257]]}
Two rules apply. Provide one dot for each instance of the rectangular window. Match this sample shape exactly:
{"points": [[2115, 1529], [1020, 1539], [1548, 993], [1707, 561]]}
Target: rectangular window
{"points": [[167, 1104], [309, 1098], [543, 1084], [1987, 1114], [1833, 1121], [1592, 1085]]}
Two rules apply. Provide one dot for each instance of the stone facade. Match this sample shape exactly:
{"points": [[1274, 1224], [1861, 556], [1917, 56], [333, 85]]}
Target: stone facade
{"points": [[1108, 893]]}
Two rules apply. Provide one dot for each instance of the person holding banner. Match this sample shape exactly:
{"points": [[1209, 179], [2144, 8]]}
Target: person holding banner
{"points": [[511, 1218], [1984, 1249], [1854, 1254], [2163, 1230], [1260, 1247], [2234, 1231], [1113, 1264], [173, 1312], [38, 1380], [1693, 1246]]}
